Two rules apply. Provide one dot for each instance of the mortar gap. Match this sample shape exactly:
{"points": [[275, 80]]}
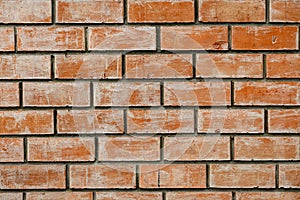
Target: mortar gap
{"points": [[92, 95], [207, 176], [125, 120], [196, 9], [162, 149], [21, 94], [96, 149], [277, 176], [267, 16], [232, 93], [158, 39], [137, 181], [67, 177], [55, 122], [16, 39], [125, 12], [162, 93], [25, 144], [229, 37], [53, 11], [194, 63], [264, 66], [196, 120], [266, 124], [232, 148]]}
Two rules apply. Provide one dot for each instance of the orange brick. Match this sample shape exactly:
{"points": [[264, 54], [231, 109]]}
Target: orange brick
{"points": [[284, 11], [289, 175], [284, 121], [230, 121], [159, 66], [160, 121], [7, 39], [242, 176], [92, 11], [267, 195], [232, 11], [173, 176], [229, 66], [127, 94], [160, 11], [11, 150], [122, 38], [59, 195], [266, 93], [61, 149], [92, 121], [196, 148], [194, 38], [102, 176], [32, 176], [11, 196], [198, 195], [9, 94], [88, 66], [264, 37], [25, 67], [129, 148], [267, 148], [128, 195], [53, 38], [56, 94], [26, 122], [283, 66], [196, 93]]}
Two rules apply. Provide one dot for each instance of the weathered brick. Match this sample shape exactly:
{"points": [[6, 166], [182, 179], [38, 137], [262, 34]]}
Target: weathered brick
{"points": [[289, 175], [59, 195], [284, 11], [283, 66], [267, 195], [9, 94], [128, 195], [284, 121], [7, 39], [198, 195], [11, 196], [11, 150]]}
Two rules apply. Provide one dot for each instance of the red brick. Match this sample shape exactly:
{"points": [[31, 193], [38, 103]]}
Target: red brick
{"points": [[61, 149], [55, 38], [266, 148], [32, 176], [230, 121], [289, 175], [9, 94], [229, 66], [25, 67], [122, 38], [159, 66], [90, 121], [88, 66], [284, 11], [59, 195], [11, 150], [198, 195], [129, 148], [92, 11], [194, 38], [242, 176], [196, 93], [173, 176], [267, 195], [264, 37], [196, 148], [102, 176], [284, 121], [160, 121], [56, 94], [7, 39], [128, 195], [232, 11], [11, 196], [160, 11], [127, 94], [283, 66], [266, 93], [26, 122]]}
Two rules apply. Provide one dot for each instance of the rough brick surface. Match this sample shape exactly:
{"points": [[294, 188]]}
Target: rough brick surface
{"points": [[199, 195], [59, 195], [9, 94], [289, 176], [267, 195], [7, 39], [285, 11], [283, 66], [284, 121], [11, 150], [128, 195]]}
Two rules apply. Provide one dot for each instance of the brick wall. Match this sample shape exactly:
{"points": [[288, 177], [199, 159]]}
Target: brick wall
{"points": [[149, 99]]}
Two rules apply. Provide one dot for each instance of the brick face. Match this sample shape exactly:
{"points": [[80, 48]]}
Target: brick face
{"points": [[283, 66], [9, 94], [284, 11], [11, 150], [289, 176], [7, 39]]}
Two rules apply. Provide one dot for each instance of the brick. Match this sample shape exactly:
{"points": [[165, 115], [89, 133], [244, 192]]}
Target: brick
{"points": [[267, 195], [102, 176], [196, 93], [242, 176], [92, 11], [160, 11], [32, 176], [127, 94], [88, 66], [122, 38], [264, 37], [153, 66], [198, 195], [11, 150], [284, 121], [128, 195], [61, 149], [55, 38], [173, 176], [26, 122], [56, 94], [7, 39], [90, 121], [232, 11], [9, 94], [284, 11], [194, 38], [230, 121], [266, 148], [229, 66], [196, 148], [160, 121], [25, 67], [266, 93], [283, 66], [59, 195], [289, 175], [129, 148], [11, 196]]}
